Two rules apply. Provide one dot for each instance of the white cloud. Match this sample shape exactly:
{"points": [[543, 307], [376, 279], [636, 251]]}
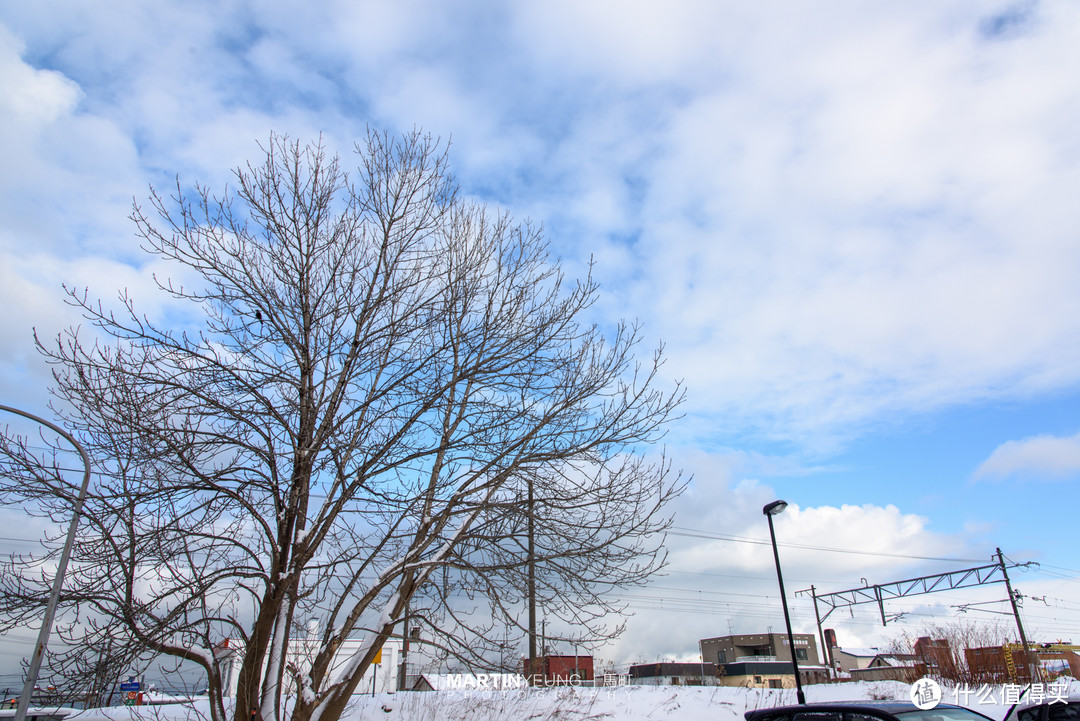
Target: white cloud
{"points": [[832, 216], [876, 229], [31, 96], [1038, 456], [727, 584]]}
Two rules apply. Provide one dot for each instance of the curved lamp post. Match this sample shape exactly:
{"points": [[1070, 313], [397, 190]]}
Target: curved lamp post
{"points": [[771, 510], [61, 568]]}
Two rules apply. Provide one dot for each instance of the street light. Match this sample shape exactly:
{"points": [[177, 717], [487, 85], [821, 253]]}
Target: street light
{"points": [[770, 510], [61, 568]]}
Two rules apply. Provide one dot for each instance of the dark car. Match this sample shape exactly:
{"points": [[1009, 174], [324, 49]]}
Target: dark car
{"points": [[867, 711]]}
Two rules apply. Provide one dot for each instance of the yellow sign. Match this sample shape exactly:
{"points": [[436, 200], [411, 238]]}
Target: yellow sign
{"points": [[378, 656]]}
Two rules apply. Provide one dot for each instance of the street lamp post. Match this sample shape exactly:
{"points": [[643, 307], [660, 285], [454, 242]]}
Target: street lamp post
{"points": [[771, 510], [61, 568]]}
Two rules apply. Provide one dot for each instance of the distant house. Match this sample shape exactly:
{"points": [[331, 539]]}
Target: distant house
{"points": [[769, 674], [560, 669], [937, 655], [1009, 664], [760, 647], [904, 667], [764, 660], [988, 665], [852, 658], [674, 674], [431, 682], [873, 663], [1057, 660]]}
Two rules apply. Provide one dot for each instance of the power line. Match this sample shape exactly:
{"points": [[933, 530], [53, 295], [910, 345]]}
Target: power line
{"points": [[695, 533], [744, 577], [1060, 568], [1055, 574]]}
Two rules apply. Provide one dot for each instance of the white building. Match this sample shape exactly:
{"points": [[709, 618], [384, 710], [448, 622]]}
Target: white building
{"points": [[850, 659], [381, 677]]}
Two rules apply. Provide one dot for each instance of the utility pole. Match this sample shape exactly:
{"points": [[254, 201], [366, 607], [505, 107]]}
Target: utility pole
{"points": [[532, 583], [1032, 670], [826, 652]]}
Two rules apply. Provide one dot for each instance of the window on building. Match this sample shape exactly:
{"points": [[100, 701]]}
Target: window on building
{"points": [[721, 656], [800, 654]]}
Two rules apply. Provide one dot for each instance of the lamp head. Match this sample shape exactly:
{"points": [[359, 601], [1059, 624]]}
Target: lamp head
{"points": [[774, 508]]}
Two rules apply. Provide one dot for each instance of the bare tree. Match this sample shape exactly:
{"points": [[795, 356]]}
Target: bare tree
{"points": [[339, 418]]}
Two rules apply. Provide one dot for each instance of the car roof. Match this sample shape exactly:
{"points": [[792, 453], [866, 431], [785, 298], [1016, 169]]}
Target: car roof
{"points": [[881, 706]]}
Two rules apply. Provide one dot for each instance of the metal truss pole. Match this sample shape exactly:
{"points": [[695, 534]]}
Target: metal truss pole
{"points": [[879, 593]]}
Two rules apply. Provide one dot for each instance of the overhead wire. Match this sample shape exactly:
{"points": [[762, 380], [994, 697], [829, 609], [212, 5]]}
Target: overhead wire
{"points": [[696, 533]]}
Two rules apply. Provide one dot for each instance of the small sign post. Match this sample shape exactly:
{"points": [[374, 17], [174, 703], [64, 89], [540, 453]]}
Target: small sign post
{"points": [[375, 670], [130, 691]]}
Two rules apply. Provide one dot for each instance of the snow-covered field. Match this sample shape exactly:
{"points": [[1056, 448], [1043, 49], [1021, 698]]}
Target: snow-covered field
{"points": [[626, 703]]}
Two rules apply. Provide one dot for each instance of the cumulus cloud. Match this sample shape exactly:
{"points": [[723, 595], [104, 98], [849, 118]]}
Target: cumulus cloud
{"points": [[33, 96], [1035, 457], [721, 577], [864, 238], [831, 215]]}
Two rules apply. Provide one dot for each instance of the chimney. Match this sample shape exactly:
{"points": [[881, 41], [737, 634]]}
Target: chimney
{"points": [[830, 638]]}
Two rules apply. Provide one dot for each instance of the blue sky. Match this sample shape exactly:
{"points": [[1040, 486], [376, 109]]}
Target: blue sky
{"points": [[853, 225]]}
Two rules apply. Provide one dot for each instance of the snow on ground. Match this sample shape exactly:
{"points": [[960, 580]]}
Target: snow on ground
{"points": [[624, 703]]}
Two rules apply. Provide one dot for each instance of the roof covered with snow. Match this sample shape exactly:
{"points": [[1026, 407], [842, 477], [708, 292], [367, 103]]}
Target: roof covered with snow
{"points": [[860, 652]]}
